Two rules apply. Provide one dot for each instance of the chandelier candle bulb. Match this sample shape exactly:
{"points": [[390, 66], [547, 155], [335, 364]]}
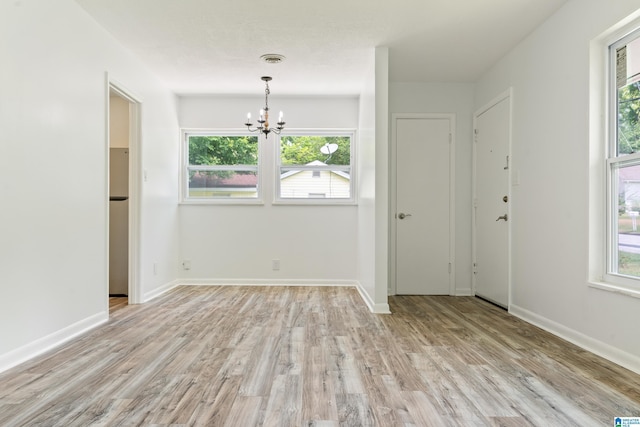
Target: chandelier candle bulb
{"points": [[280, 117]]}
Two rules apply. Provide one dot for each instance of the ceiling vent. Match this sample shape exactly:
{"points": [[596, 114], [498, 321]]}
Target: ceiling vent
{"points": [[272, 58]]}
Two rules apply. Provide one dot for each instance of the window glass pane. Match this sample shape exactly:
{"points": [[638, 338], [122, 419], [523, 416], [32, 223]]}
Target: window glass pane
{"points": [[307, 184], [238, 184], [316, 149], [628, 97], [628, 222], [315, 167], [223, 150]]}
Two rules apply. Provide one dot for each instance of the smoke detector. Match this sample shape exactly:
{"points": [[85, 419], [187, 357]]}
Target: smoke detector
{"points": [[272, 58]]}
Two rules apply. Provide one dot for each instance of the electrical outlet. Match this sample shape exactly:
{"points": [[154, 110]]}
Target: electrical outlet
{"points": [[155, 268], [275, 264]]}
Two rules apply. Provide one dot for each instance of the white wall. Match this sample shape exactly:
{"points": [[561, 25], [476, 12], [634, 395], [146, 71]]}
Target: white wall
{"points": [[368, 251], [549, 73], [381, 203], [237, 243], [53, 170], [457, 99]]}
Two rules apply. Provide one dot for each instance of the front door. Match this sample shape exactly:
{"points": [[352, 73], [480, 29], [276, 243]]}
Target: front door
{"points": [[491, 202], [423, 204]]}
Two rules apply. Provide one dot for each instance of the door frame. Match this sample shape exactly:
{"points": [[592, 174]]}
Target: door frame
{"points": [[135, 162], [508, 95], [393, 169]]}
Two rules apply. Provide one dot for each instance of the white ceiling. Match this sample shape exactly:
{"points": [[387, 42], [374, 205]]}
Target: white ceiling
{"points": [[214, 46]]}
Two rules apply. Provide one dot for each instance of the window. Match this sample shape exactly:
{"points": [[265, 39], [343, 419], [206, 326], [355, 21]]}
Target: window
{"points": [[220, 167], [316, 168], [623, 162]]}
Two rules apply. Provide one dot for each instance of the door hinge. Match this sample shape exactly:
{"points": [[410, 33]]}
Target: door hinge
{"points": [[449, 268], [475, 268], [450, 138]]}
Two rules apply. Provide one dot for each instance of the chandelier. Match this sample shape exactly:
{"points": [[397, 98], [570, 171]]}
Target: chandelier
{"points": [[263, 120]]}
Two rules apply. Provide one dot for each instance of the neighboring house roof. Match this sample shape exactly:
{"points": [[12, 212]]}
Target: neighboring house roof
{"points": [[237, 180], [314, 163]]}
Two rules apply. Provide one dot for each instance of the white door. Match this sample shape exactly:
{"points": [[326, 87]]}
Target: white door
{"points": [[491, 202], [423, 205]]}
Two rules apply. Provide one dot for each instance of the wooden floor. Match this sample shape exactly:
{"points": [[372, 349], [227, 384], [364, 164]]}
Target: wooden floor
{"points": [[116, 303], [303, 356]]}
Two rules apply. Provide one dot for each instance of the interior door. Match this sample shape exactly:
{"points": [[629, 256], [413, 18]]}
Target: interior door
{"points": [[491, 202], [423, 205]]}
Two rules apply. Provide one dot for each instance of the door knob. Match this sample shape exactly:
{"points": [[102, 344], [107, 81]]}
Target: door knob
{"points": [[502, 217], [403, 215]]}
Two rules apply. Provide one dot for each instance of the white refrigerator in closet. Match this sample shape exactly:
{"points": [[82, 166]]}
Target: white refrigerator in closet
{"points": [[119, 222]]}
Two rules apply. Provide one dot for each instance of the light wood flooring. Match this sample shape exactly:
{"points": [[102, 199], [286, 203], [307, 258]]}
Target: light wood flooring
{"points": [[305, 356], [116, 303]]}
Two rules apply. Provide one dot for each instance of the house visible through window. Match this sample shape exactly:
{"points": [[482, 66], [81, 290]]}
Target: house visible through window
{"points": [[317, 168], [623, 163], [220, 167]]}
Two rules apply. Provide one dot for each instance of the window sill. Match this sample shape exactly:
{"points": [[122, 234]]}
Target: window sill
{"points": [[313, 202], [222, 202], [634, 293]]}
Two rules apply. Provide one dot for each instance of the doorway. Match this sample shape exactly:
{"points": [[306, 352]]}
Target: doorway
{"points": [[422, 223], [123, 142], [492, 201]]}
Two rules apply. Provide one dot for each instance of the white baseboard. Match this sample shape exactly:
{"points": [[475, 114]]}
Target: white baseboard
{"points": [[148, 296], [46, 343], [464, 292], [373, 307], [606, 351], [265, 282]]}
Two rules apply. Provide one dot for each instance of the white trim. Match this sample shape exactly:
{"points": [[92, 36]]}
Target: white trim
{"points": [[392, 288], [622, 290], [48, 342], [135, 184], [264, 282], [335, 201], [601, 133], [184, 192], [619, 357], [381, 308], [506, 95], [148, 296]]}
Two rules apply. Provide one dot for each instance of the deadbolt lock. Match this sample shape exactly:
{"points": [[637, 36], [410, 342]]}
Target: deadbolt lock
{"points": [[505, 199]]}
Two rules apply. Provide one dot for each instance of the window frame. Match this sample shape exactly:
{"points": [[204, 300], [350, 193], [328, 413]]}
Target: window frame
{"points": [[615, 162], [185, 167], [278, 167]]}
